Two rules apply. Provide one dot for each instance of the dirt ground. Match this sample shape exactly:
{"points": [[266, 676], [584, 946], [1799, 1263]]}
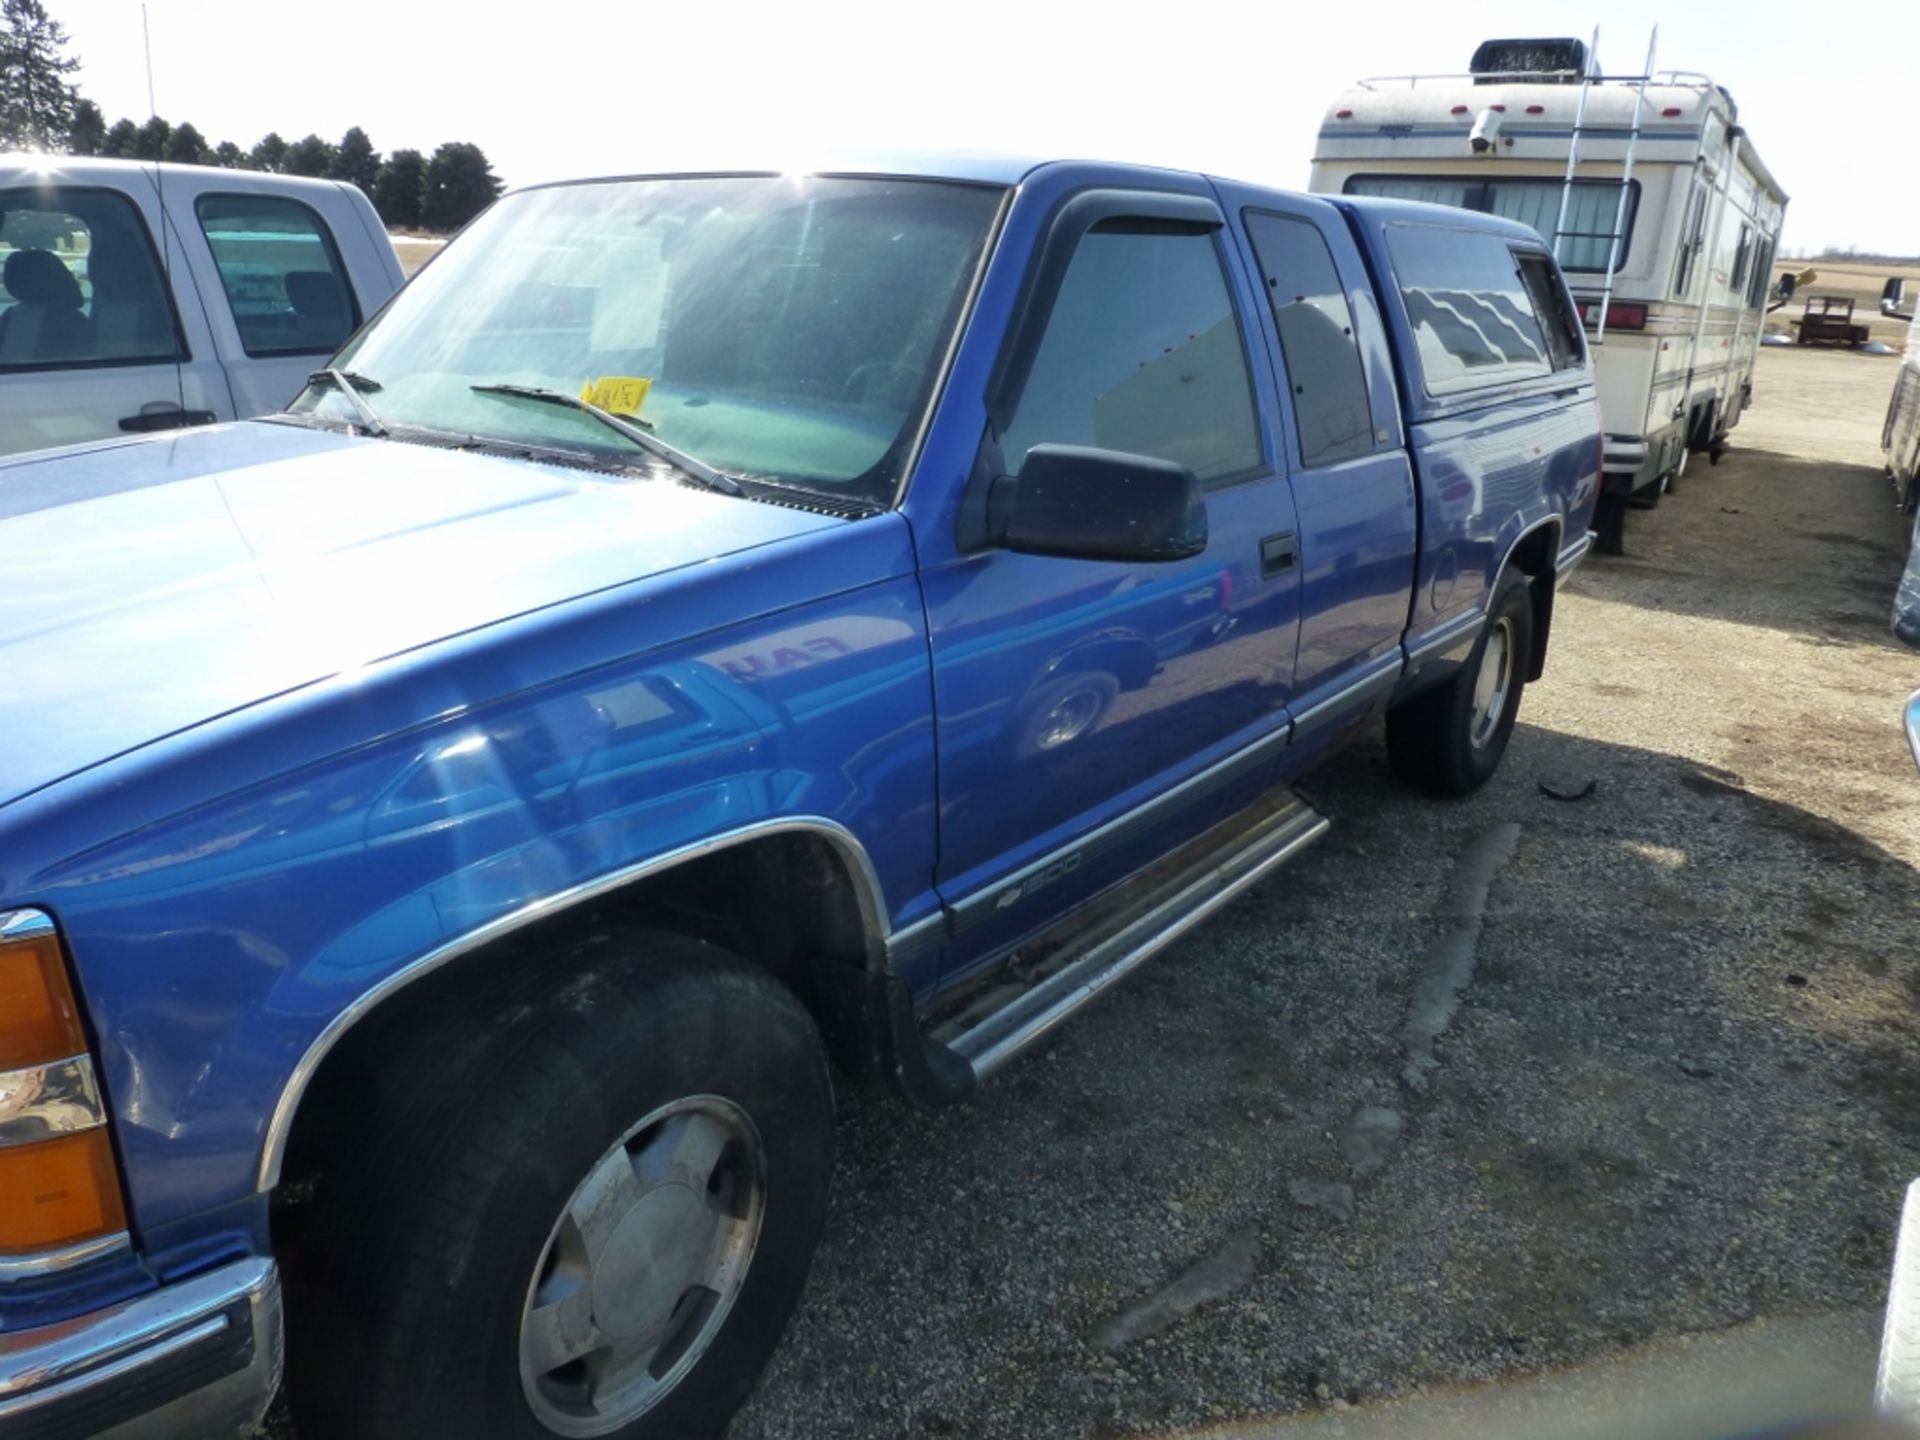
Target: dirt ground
{"points": [[1512, 1089], [415, 250]]}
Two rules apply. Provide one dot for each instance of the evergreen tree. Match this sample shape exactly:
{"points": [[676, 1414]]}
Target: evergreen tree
{"points": [[460, 184], [87, 135], [36, 101], [123, 140], [152, 141], [229, 156], [397, 189], [187, 146], [309, 156], [270, 154], [355, 160]]}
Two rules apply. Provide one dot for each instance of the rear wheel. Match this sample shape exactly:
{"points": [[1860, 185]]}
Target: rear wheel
{"points": [[590, 1214], [1449, 740]]}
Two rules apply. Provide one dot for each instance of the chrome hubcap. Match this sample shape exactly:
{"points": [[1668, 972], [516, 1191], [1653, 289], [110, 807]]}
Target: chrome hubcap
{"points": [[1069, 718], [1492, 685], [642, 1266]]}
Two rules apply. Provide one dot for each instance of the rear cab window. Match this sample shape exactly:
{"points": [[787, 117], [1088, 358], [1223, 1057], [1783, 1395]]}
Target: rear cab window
{"points": [[1477, 319], [81, 285], [285, 284]]}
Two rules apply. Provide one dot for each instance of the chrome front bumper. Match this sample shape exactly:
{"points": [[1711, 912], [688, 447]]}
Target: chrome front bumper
{"points": [[197, 1358]]}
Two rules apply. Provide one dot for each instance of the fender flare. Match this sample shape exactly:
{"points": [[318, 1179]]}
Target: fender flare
{"points": [[882, 942]]}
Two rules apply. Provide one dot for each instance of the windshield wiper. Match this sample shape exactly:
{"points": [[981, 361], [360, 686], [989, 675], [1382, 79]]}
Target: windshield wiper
{"points": [[351, 385], [687, 464]]}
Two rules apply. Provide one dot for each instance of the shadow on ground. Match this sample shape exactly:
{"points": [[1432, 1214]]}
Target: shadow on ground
{"points": [[1682, 1092], [1809, 548]]}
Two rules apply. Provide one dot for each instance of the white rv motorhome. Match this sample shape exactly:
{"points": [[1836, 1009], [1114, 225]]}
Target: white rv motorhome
{"points": [[1666, 228]]}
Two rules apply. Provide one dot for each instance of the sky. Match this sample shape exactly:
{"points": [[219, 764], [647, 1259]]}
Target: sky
{"points": [[561, 89]]}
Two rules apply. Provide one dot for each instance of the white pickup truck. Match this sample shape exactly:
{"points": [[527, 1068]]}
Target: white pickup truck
{"points": [[113, 323]]}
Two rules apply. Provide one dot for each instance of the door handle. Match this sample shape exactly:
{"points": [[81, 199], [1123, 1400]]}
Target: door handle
{"points": [[163, 415], [1278, 554]]}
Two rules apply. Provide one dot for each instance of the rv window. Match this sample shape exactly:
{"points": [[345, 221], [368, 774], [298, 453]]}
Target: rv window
{"points": [[1142, 353], [1591, 209], [1469, 310], [1762, 268], [1588, 234], [1690, 239], [1324, 369], [1464, 194], [1742, 257], [1555, 310]]}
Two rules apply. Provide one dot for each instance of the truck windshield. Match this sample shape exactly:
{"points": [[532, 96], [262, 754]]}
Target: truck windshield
{"points": [[790, 329]]}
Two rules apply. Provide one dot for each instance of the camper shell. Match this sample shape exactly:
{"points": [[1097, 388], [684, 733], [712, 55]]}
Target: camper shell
{"points": [[1666, 228]]}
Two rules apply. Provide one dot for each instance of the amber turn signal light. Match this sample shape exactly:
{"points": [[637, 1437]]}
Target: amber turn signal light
{"points": [[39, 1021], [58, 1192]]}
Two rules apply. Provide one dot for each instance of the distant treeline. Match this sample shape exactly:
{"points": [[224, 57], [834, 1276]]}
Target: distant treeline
{"points": [[40, 109], [1851, 256]]}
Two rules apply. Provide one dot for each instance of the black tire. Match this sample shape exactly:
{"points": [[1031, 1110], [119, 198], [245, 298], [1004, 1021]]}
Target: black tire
{"points": [[421, 1241], [1431, 739]]}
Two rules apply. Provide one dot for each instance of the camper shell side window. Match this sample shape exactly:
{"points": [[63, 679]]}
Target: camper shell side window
{"points": [[1472, 314], [1559, 321]]}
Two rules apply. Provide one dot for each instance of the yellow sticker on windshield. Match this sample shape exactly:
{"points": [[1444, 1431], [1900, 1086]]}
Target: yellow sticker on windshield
{"points": [[621, 394]]}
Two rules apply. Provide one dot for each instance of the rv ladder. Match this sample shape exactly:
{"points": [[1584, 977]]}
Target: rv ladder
{"points": [[1615, 236]]}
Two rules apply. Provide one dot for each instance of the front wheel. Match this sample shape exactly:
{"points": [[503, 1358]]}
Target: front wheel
{"points": [[1449, 740], [590, 1216]]}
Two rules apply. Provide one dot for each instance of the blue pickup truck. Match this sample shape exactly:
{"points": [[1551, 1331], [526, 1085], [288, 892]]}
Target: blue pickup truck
{"points": [[709, 633]]}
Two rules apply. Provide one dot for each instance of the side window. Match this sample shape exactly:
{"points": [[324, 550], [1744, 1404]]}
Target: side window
{"points": [[282, 273], [1310, 310], [1565, 345], [1690, 241], [1762, 273], [80, 284], [1142, 353], [1472, 318], [1742, 257]]}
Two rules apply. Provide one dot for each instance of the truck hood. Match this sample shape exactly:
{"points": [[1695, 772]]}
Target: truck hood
{"points": [[147, 588]]}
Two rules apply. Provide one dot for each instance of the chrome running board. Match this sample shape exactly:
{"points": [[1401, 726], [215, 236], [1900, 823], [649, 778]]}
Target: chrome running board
{"points": [[1180, 893]]}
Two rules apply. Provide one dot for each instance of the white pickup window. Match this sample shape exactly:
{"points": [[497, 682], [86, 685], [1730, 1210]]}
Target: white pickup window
{"points": [[80, 284], [285, 284]]}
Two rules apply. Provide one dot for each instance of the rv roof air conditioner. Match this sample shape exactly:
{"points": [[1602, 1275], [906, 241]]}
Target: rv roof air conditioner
{"points": [[1550, 62]]}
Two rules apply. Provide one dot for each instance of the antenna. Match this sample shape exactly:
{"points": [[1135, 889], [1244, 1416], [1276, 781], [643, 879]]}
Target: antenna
{"points": [[166, 227]]}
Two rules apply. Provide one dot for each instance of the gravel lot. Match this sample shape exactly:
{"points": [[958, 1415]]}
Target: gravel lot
{"points": [[1681, 1091], [1679, 1095]]}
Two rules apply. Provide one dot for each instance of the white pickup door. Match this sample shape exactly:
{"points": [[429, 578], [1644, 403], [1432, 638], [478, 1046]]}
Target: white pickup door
{"points": [[112, 325]]}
